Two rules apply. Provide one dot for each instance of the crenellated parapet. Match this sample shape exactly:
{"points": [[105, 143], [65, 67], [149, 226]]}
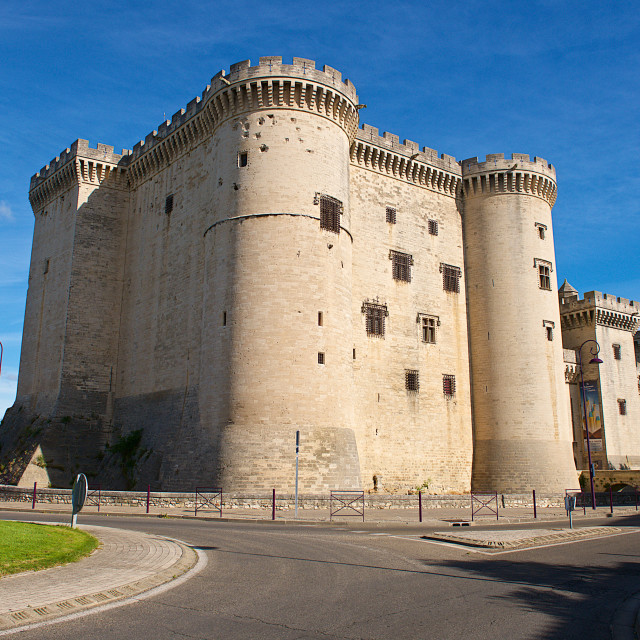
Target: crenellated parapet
{"points": [[77, 164], [518, 174], [405, 161], [602, 309], [268, 85]]}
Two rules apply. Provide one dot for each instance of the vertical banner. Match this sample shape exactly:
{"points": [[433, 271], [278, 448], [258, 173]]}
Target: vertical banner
{"points": [[594, 416]]}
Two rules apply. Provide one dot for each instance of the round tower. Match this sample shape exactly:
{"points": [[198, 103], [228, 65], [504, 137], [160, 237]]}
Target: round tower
{"points": [[277, 343], [522, 427]]}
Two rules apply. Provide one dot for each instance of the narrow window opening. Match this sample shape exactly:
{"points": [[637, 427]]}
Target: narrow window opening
{"points": [[330, 211], [320, 357], [168, 204], [433, 227], [401, 265], [391, 215], [450, 277], [617, 352], [411, 380], [242, 159], [550, 334], [544, 274], [354, 357], [46, 266], [622, 407], [319, 318], [542, 228], [224, 319], [428, 327], [375, 314], [448, 385]]}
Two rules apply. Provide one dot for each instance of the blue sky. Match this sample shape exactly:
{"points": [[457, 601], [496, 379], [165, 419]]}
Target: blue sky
{"points": [[555, 79]]}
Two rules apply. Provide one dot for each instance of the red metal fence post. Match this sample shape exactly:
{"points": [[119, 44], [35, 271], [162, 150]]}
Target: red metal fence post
{"points": [[148, 496], [636, 498], [273, 506], [611, 499], [419, 506], [535, 515], [99, 496], [33, 504]]}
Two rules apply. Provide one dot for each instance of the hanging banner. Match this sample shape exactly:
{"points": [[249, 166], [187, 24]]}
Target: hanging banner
{"points": [[594, 416]]}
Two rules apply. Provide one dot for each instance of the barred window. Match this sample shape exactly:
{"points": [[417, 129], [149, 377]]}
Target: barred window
{"points": [[622, 407], [168, 204], [450, 277], [411, 380], [243, 158], [544, 274], [401, 265], [448, 385], [433, 227], [391, 215], [330, 210], [320, 357], [617, 353], [375, 314], [428, 327]]}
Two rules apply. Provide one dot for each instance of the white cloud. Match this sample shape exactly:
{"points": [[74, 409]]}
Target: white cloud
{"points": [[5, 211]]}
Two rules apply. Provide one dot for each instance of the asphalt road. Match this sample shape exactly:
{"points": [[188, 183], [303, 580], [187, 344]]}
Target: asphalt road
{"points": [[270, 581]]}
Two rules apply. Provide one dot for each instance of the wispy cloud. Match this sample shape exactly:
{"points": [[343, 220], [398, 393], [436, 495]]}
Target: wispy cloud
{"points": [[6, 212]]}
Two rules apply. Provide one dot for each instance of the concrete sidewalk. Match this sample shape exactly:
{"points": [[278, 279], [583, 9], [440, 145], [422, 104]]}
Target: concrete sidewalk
{"points": [[126, 564]]}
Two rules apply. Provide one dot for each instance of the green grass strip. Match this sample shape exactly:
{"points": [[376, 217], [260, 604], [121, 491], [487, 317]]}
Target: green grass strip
{"points": [[30, 547]]}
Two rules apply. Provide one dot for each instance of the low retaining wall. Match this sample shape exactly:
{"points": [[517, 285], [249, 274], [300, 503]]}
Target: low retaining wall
{"points": [[186, 500]]}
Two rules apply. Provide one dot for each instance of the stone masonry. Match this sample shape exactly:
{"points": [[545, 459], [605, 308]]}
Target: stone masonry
{"points": [[260, 264]]}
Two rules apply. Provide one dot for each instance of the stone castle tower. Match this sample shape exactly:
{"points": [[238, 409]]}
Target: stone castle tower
{"points": [[260, 265], [514, 332]]}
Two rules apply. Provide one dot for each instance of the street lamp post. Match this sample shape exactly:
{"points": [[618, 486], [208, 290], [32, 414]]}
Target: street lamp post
{"points": [[594, 360]]}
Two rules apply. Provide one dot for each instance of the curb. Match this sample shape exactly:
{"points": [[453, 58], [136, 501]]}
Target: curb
{"points": [[85, 602], [525, 543]]}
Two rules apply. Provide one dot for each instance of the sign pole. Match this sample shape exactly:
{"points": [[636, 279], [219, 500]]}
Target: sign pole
{"points": [[78, 497], [297, 452]]}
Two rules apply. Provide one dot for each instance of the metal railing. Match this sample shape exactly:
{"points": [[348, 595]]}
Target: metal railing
{"points": [[346, 504]]}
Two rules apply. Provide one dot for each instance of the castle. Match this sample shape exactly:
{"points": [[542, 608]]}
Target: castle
{"points": [[261, 264]]}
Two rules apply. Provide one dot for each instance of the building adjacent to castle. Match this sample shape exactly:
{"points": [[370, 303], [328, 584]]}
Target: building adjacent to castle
{"points": [[262, 264], [606, 326]]}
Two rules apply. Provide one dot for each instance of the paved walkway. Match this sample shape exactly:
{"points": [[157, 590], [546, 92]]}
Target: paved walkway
{"points": [[126, 564]]}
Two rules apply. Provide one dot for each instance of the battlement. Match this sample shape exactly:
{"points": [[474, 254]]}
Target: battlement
{"points": [[603, 308], [79, 148], [517, 161], [498, 175], [237, 92], [272, 66], [387, 140], [603, 301]]}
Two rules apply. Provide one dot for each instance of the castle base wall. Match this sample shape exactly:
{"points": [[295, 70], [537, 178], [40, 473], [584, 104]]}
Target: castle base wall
{"points": [[534, 464]]}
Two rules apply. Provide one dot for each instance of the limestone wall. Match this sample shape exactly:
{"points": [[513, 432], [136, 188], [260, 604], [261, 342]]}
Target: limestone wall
{"points": [[522, 428], [409, 438]]}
